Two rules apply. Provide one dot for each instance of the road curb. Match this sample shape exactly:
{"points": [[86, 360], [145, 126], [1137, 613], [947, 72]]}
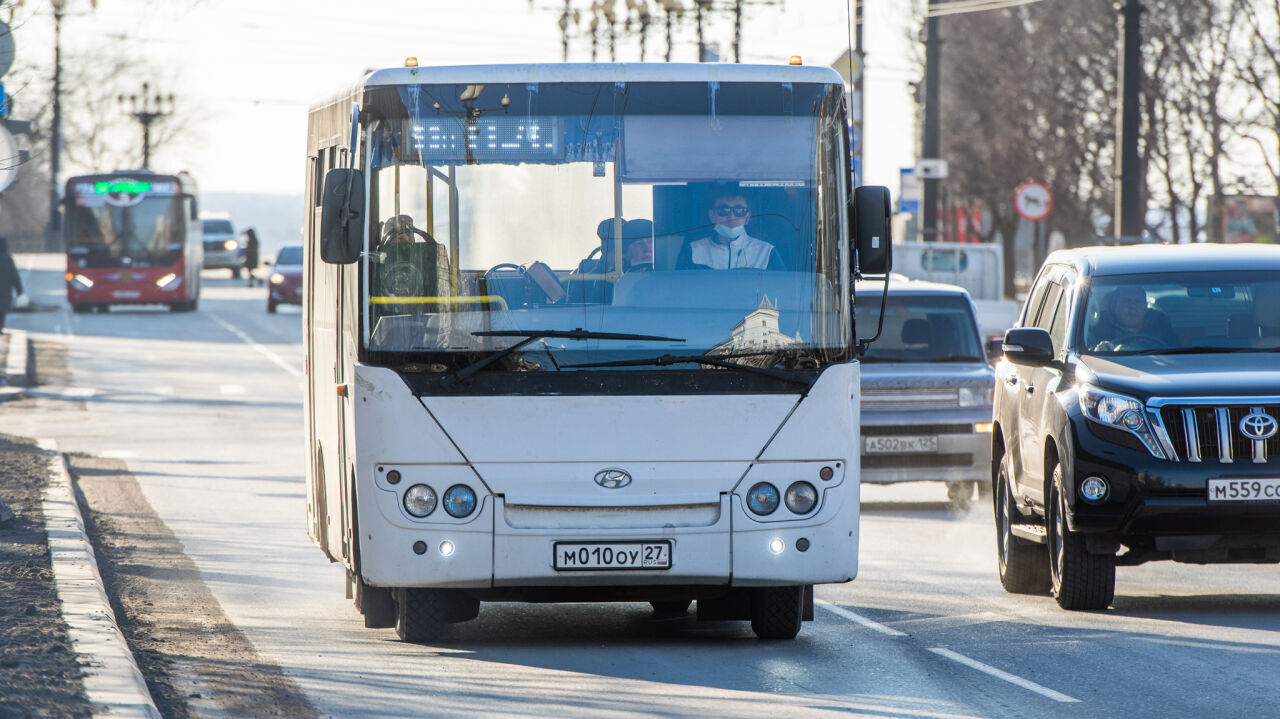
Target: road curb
{"points": [[16, 367], [112, 681]]}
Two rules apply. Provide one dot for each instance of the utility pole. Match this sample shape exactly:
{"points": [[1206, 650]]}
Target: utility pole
{"points": [[931, 146], [737, 31], [1130, 197], [147, 110], [565, 17], [700, 7], [54, 230]]}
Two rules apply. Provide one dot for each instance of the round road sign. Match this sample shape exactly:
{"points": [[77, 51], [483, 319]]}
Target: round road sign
{"points": [[1033, 201]]}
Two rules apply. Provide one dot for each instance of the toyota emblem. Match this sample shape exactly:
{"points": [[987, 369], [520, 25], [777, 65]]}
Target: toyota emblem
{"points": [[1255, 425], [614, 478]]}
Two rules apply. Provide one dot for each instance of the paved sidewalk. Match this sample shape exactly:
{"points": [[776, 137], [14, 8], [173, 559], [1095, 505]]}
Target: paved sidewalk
{"points": [[15, 373]]}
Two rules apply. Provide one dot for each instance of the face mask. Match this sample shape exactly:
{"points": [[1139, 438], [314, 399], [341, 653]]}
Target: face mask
{"points": [[730, 233]]}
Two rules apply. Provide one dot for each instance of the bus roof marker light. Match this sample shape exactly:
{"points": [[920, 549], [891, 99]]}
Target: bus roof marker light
{"points": [[795, 60], [411, 62]]}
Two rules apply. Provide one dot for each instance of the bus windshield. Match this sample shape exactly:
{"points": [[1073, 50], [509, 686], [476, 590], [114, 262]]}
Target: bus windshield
{"points": [[149, 232], [713, 213]]}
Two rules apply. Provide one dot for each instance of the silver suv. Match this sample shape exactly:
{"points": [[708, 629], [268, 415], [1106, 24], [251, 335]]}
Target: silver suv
{"points": [[223, 249], [926, 389]]}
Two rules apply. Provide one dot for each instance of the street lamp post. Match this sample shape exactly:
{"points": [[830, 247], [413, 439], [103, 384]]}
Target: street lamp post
{"points": [[146, 109]]}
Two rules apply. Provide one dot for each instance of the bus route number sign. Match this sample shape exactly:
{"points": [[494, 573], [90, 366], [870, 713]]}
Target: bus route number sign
{"points": [[584, 556]]}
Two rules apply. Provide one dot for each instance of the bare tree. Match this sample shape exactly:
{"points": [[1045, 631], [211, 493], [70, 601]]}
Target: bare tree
{"points": [[1258, 69]]}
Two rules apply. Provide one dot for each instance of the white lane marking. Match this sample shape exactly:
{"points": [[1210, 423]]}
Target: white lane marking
{"points": [[277, 359], [851, 616], [119, 454], [998, 674], [231, 389], [78, 392]]}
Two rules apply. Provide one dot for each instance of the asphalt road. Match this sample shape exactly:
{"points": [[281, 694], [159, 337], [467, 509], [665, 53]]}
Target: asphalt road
{"points": [[205, 409]]}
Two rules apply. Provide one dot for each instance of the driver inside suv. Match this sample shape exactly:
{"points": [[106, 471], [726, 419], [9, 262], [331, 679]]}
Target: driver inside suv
{"points": [[1125, 319]]}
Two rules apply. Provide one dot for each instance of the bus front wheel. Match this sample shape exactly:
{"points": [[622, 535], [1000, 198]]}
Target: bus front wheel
{"points": [[776, 612], [421, 614], [81, 308]]}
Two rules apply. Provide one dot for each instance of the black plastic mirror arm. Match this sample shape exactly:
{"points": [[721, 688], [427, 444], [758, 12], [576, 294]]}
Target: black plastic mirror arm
{"points": [[865, 344]]}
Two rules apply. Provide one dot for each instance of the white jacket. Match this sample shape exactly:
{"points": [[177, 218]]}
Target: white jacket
{"points": [[746, 251]]}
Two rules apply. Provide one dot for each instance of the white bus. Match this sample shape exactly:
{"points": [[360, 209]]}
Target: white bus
{"points": [[585, 333]]}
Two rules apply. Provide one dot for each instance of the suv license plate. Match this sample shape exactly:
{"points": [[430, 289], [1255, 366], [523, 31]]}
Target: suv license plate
{"points": [[579, 556], [1244, 490], [899, 445]]}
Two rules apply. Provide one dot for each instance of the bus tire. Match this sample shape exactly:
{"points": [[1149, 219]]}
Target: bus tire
{"points": [[81, 308], [776, 612], [421, 614], [235, 273]]}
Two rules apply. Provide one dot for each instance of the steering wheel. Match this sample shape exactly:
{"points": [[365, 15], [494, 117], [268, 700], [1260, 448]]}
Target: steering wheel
{"points": [[1140, 341]]}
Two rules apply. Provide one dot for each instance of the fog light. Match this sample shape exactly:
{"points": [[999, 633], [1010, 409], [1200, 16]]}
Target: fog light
{"points": [[446, 548], [459, 501], [776, 545], [419, 500], [762, 498], [801, 497], [1094, 489]]}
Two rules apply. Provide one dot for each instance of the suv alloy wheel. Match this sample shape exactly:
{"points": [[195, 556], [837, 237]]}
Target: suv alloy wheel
{"points": [[1080, 580]]}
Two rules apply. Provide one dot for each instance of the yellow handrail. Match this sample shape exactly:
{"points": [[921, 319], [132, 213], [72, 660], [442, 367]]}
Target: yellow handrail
{"points": [[482, 299]]}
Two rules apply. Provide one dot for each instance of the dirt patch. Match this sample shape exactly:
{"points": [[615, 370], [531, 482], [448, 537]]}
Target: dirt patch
{"points": [[196, 662], [39, 672]]}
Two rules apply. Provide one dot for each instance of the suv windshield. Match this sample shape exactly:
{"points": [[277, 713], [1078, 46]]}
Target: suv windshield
{"points": [[919, 328], [711, 212], [218, 227], [1180, 312]]}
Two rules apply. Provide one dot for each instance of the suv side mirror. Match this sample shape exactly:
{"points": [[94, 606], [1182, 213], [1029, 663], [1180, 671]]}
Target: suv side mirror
{"points": [[342, 217], [873, 230], [1028, 345]]}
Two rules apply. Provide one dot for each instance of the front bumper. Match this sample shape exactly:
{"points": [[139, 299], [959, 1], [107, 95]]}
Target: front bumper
{"points": [[286, 293], [223, 259], [1153, 497]]}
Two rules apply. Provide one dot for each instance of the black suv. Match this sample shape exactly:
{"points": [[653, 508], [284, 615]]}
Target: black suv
{"points": [[1135, 417]]}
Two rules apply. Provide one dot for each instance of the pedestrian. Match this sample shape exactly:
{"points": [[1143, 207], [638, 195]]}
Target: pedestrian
{"points": [[251, 255], [10, 282]]}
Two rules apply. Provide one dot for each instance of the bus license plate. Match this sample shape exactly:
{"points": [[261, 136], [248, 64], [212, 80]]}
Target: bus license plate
{"points": [[126, 294], [899, 445], [1244, 490], [580, 556]]}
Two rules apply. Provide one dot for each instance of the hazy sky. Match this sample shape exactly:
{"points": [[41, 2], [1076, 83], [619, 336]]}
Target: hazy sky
{"points": [[251, 68]]}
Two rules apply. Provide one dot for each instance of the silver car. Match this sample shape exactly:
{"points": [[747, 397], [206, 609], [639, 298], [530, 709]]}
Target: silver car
{"points": [[926, 389]]}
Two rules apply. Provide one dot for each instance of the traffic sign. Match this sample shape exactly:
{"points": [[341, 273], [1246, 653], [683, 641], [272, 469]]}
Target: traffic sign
{"points": [[1033, 201], [931, 168]]}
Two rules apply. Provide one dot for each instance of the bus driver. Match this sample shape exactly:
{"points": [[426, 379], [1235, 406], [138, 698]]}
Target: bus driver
{"points": [[729, 247]]}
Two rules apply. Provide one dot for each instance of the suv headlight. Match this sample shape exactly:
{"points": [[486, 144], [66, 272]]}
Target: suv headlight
{"points": [[1119, 411], [974, 396]]}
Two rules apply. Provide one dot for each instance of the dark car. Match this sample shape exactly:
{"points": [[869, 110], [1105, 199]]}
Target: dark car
{"points": [[285, 284], [1135, 417]]}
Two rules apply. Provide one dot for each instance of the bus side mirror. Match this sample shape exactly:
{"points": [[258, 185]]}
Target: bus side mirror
{"points": [[195, 207], [342, 217], [872, 227]]}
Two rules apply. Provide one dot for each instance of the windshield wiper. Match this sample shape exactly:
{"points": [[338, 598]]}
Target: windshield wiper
{"points": [[713, 360], [531, 336]]}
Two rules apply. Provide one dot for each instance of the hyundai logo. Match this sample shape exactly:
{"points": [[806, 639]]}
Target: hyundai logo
{"points": [[614, 478], [1255, 425]]}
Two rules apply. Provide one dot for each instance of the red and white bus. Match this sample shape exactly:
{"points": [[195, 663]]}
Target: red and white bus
{"points": [[132, 237]]}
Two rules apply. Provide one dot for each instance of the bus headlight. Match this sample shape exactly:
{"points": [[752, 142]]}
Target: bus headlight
{"points": [[83, 282], [459, 501], [169, 282], [276, 278], [231, 245], [762, 498], [801, 497], [419, 500]]}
